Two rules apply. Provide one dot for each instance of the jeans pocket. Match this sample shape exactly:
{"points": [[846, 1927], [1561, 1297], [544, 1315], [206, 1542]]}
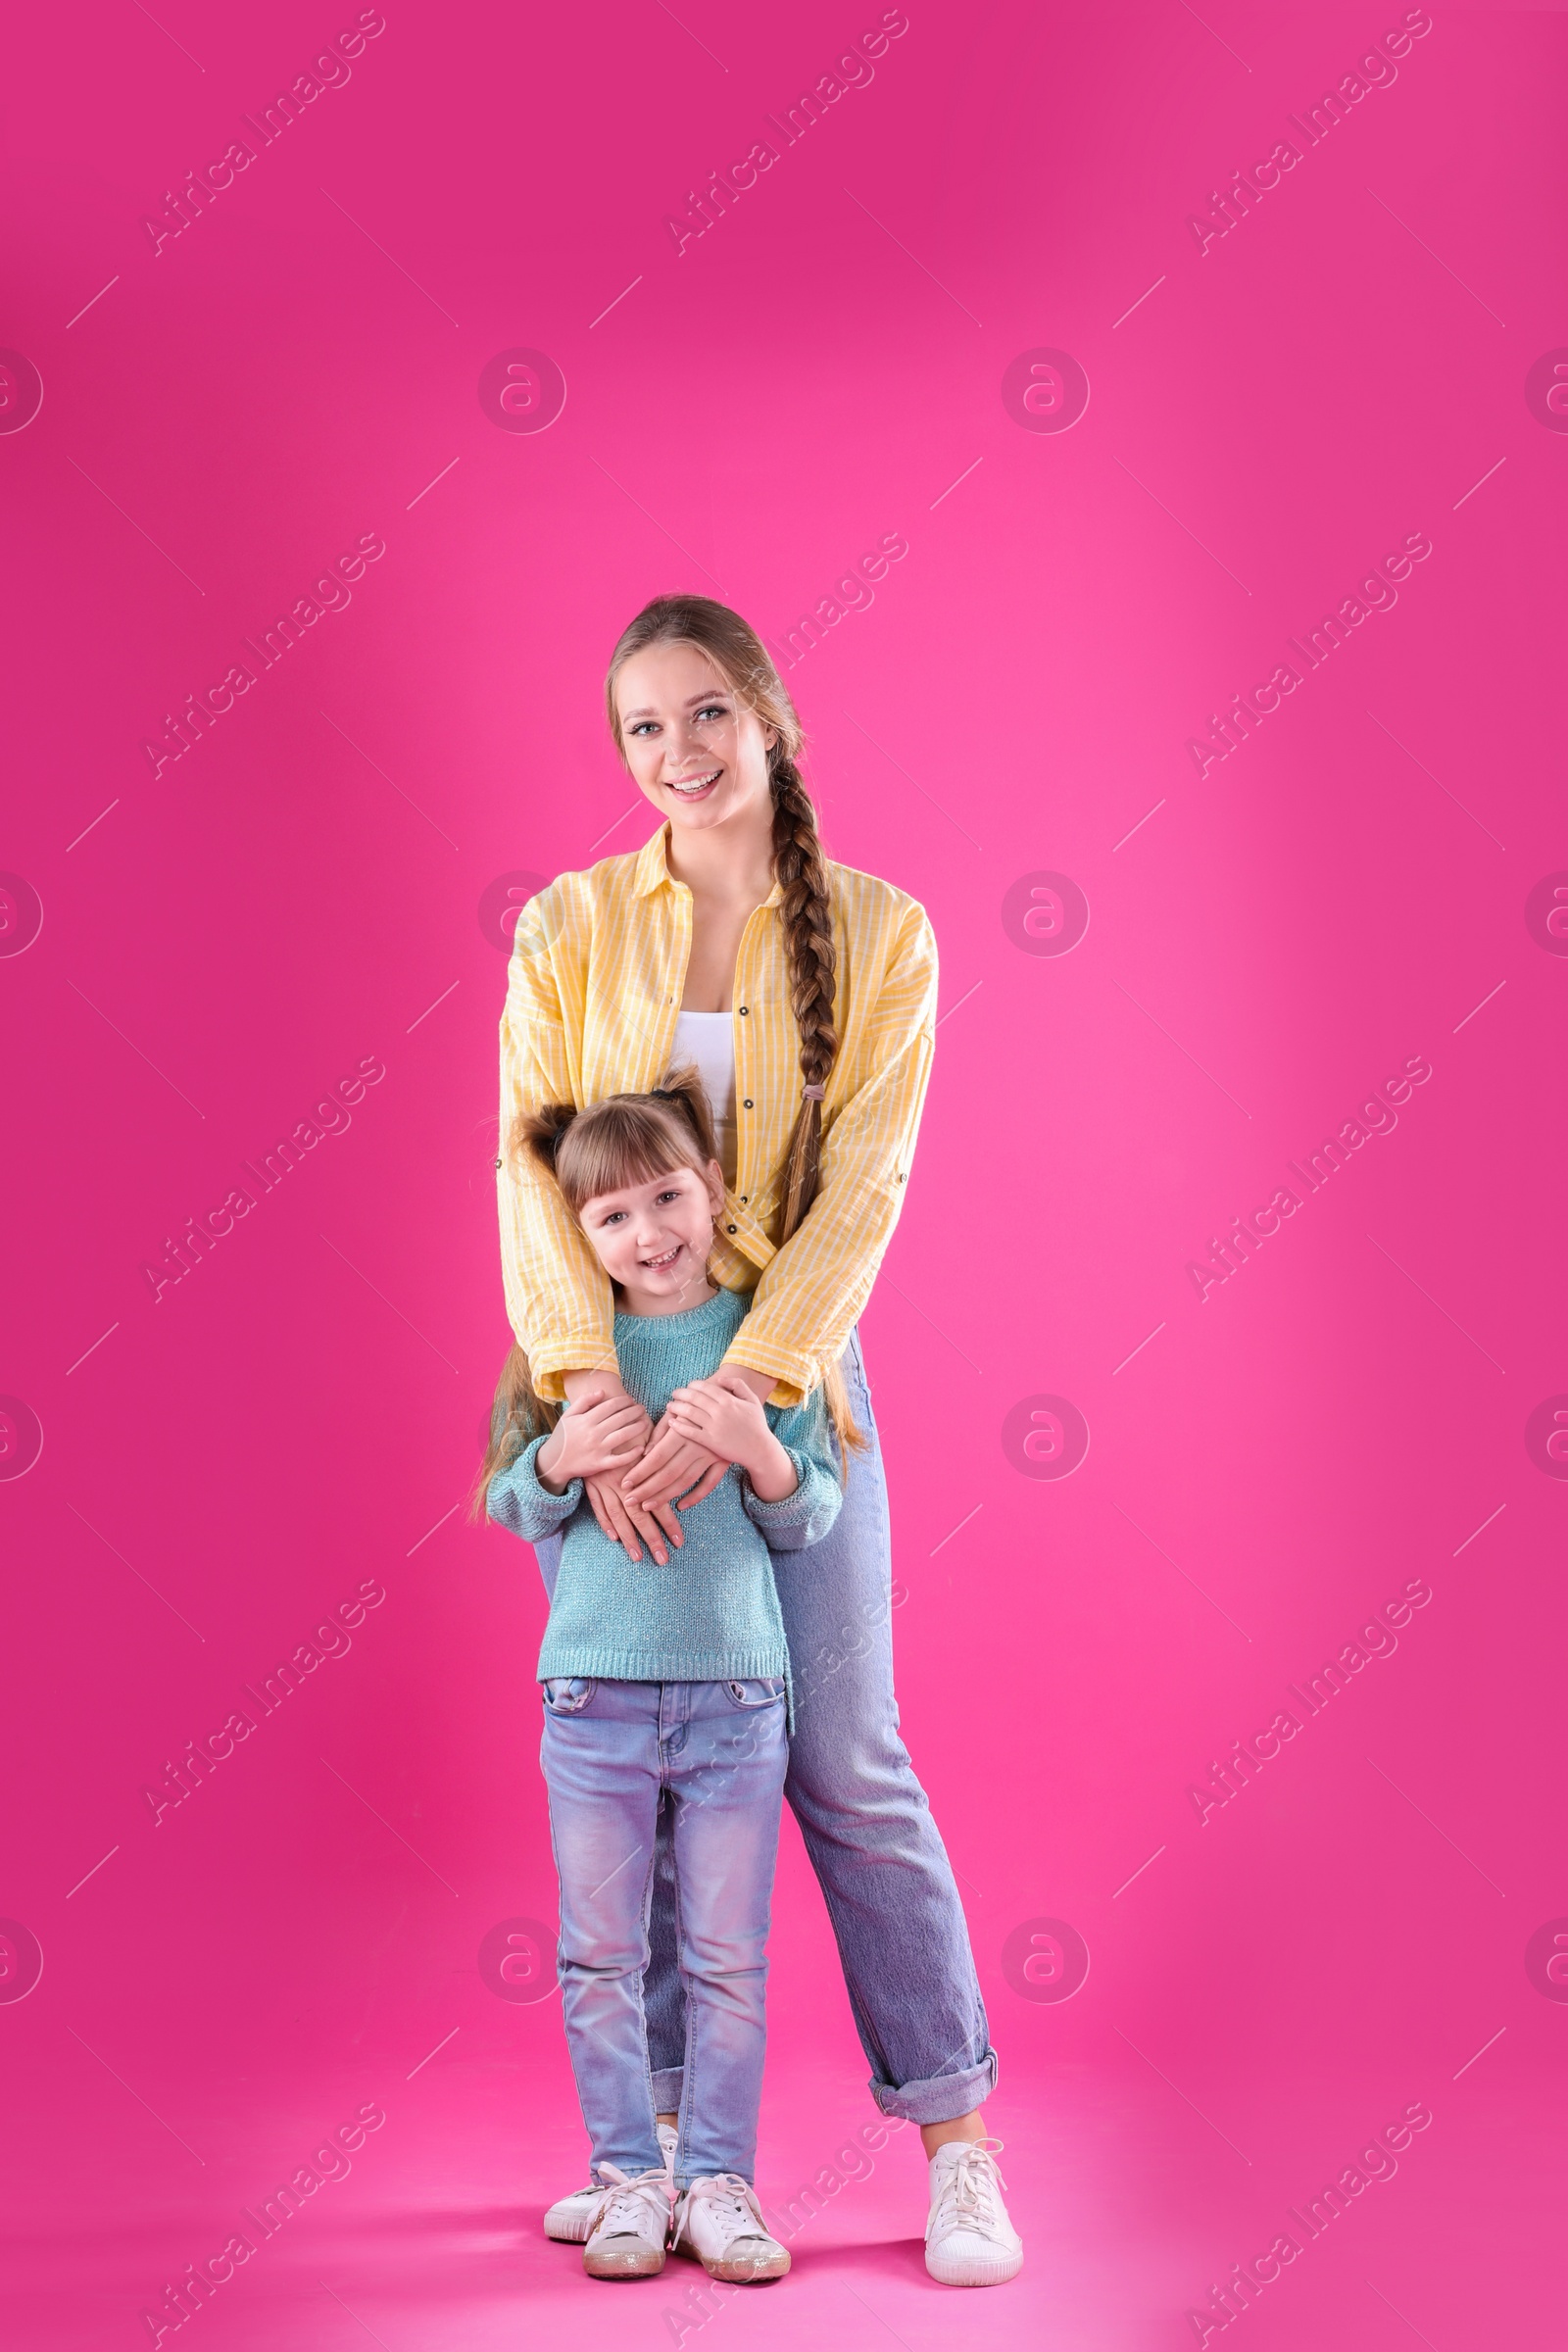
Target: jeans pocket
{"points": [[764, 1691], [568, 1695]]}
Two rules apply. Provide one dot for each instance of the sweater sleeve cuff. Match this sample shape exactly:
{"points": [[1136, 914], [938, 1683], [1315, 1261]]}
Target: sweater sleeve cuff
{"points": [[802, 1518], [517, 1500], [790, 1509]]}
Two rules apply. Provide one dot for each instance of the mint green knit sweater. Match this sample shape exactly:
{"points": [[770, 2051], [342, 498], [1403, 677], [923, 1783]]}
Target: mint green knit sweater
{"points": [[713, 1613]]}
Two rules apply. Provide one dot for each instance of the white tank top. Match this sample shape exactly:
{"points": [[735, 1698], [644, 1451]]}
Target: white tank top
{"points": [[709, 1040]]}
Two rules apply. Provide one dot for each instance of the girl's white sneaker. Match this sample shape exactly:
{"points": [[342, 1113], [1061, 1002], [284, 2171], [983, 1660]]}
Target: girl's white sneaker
{"points": [[627, 2233], [720, 2222], [569, 2219], [970, 2242]]}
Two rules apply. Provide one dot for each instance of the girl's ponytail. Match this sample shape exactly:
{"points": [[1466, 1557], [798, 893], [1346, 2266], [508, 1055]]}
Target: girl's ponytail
{"points": [[539, 1132], [683, 1090], [517, 1416], [518, 1413]]}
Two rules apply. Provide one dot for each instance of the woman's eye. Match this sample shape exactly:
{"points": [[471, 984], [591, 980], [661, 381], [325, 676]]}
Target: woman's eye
{"points": [[712, 711]]}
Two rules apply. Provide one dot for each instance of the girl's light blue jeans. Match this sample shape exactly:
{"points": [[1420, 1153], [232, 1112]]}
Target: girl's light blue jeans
{"points": [[614, 1754], [868, 1827]]}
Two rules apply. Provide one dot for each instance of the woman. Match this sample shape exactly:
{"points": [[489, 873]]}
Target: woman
{"points": [[805, 991]]}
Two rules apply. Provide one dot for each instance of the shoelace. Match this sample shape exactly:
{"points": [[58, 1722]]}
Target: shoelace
{"points": [[969, 2192], [733, 2202], [631, 2201]]}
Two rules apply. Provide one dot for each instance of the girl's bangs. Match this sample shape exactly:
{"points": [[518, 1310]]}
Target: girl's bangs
{"points": [[603, 1154]]}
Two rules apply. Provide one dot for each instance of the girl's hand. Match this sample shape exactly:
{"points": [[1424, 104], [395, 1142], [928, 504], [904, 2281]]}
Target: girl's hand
{"points": [[668, 1470], [621, 1521], [599, 1434]]}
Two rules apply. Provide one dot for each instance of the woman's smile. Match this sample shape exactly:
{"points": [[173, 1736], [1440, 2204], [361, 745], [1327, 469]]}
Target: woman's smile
{"points": [[696, 788]]}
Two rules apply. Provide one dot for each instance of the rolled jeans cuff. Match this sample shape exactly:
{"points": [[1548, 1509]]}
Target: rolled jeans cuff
{"points": [[666, 2082], [941, 2098]]}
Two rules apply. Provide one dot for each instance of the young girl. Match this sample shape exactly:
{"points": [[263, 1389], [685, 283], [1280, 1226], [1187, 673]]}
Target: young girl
{"points": [[664, 1682]]}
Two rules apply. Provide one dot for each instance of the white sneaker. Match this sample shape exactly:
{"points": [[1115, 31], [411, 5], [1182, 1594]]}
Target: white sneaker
{"points": [[969, 2240], [626, 2236], [720, 2223], [569, 2219]]}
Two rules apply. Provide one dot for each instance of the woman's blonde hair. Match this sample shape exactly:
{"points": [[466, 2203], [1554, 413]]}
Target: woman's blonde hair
{"points": [[622, 1140]]}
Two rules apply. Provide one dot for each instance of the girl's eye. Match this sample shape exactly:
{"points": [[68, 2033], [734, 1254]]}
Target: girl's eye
{"points": [[673, 1193], [712, 711]]}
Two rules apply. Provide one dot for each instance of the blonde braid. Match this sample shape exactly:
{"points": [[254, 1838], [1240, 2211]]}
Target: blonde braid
{"points": [[808, 921]]}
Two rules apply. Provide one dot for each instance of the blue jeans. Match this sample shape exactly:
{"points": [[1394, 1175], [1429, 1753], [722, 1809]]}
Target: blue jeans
{"points": [[613, 1754], [878, 1853]]}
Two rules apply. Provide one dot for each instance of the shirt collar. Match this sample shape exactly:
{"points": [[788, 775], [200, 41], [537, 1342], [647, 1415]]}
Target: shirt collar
{"points": [[651, 868]]}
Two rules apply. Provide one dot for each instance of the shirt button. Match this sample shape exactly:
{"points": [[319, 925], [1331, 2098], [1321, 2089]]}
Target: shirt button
{"points": [[730, 1229], [745, 1106], [742, 1009], [745, 1197]]}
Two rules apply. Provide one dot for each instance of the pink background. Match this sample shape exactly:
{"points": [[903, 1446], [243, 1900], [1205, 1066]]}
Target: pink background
{"points": [[303, 890]]}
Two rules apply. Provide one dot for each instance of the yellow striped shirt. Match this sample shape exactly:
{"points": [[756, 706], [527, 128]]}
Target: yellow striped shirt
{"points": [[593, 989]]}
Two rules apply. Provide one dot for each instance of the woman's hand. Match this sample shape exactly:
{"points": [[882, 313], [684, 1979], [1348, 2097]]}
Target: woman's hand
{"points": [[599, 1434], [697, 1436], [726, 1412], [677, 1456]]}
